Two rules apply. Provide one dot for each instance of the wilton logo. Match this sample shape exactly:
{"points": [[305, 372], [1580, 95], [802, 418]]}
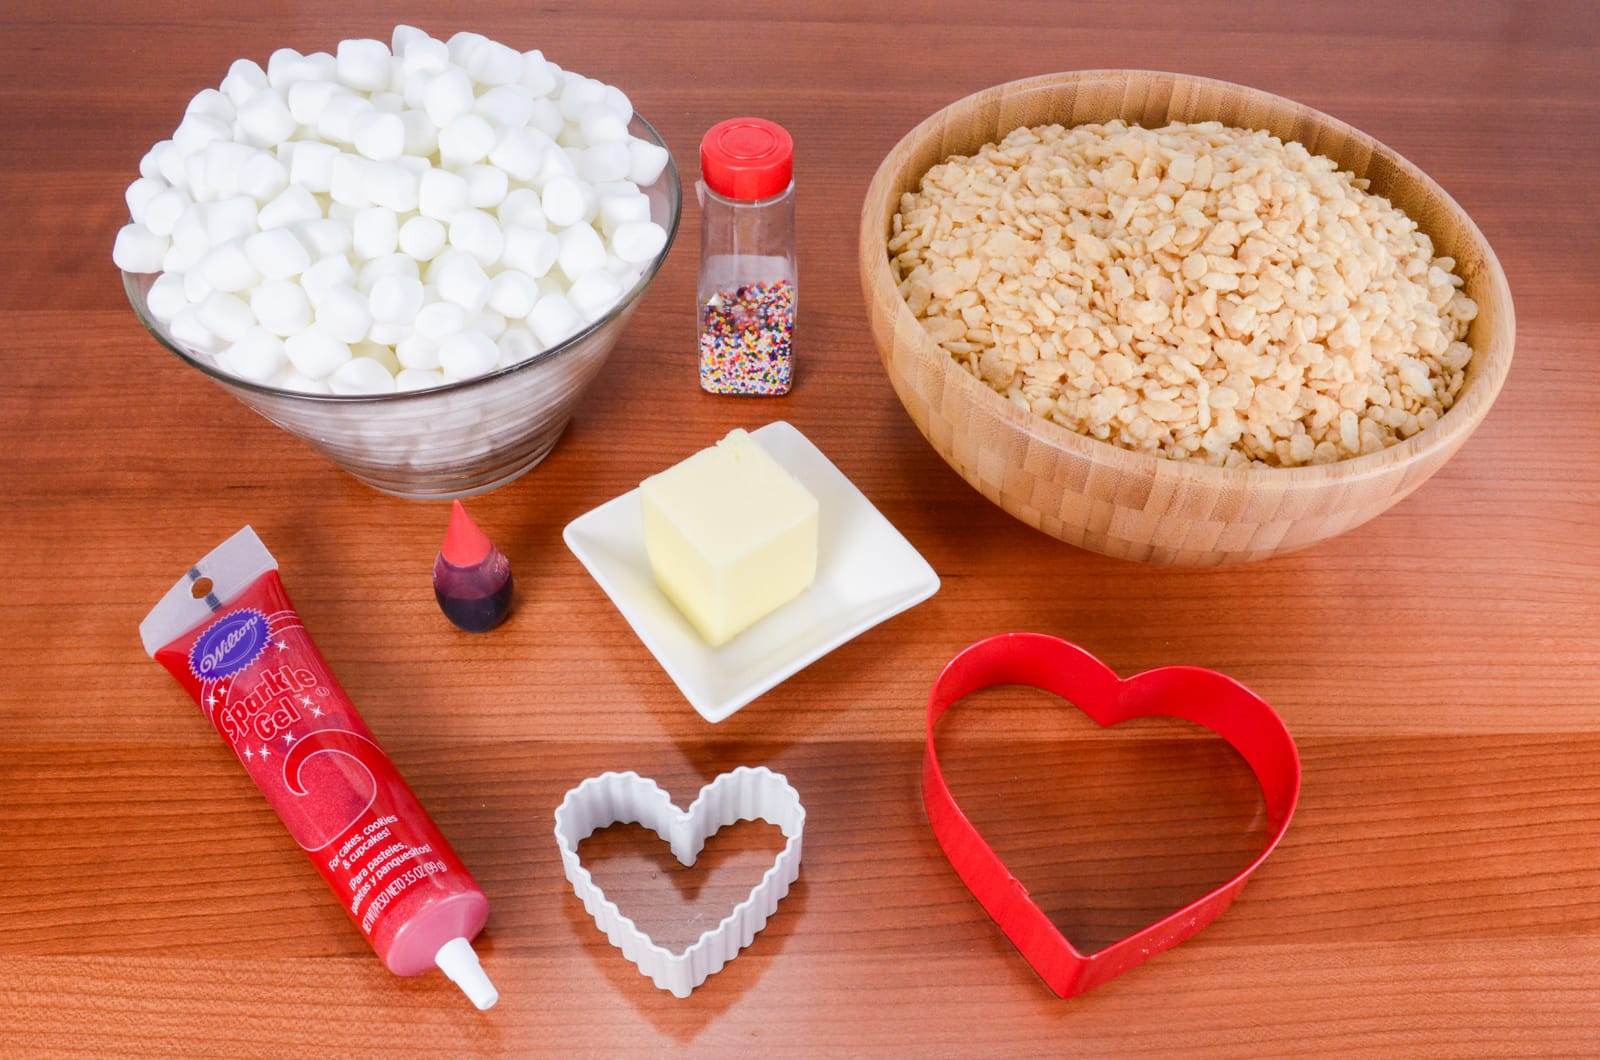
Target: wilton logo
{"points": [[230, 645]]}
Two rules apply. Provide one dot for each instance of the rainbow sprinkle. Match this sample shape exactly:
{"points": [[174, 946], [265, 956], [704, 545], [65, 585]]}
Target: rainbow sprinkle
{"points": [[746, 339]]}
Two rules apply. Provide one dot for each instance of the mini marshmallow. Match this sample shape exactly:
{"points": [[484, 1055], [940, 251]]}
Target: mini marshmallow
{"points": [[646, 161], [486, 185], [311, 166], [422, 238], [395, 299], [506, 106], [386, 265], [284, 67], [226, 268], [594, 293], [315, 354], [363, 65], [166, 299], [637, 242], [418, 352], [289, 206], [190, 240], [478, 234], [437, 321], [618, 102], [521, 208], [163, 209], [546, 117], [468, 354], [519, 152], [342, 312], [245, 78], [554, 319], [390, 102], [617, 210], [170, 164], [325, 275], [604, 162], [489, 322], [404, 35], [276, 254], [462, 45], [225, 315], [323, 236], [562, 200], [448, 95], [578, 94], [347, 183], [600, 124], [378, 134], [362, 375], [375, 231], [192, 335], [197, 130], [421, 135], [554, 163], [460, 279], [582, 250], [138, 249], [289, 379], [442, 194], [513, 293], [423, 56], [150, 161], [530, 251], [464, 140], [281, 306], [517, 345], [256, 354], [416, 379], [491, 63], [223, 161], [308, 99], [265, 120], [262, 176], [538, 76], [194, 178], [196, 287], [392, 185], [337, 122], [319, 66]]}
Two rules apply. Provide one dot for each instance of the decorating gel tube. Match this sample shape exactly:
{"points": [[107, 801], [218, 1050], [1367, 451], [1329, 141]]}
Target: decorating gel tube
{"points": [[229, 634]]}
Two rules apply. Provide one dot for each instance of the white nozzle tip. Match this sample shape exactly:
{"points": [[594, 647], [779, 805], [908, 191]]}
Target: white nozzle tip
{"points": [[457, 960]]}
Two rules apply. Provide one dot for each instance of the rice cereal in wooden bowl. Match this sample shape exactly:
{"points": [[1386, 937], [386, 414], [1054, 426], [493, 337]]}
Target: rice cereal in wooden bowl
{"points": [[1137, 311]]}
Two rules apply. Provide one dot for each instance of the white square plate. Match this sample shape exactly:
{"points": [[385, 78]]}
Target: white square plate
{"points": [[866, 572]]}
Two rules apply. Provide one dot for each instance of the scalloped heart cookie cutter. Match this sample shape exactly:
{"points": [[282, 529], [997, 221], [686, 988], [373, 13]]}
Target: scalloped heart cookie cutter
{"points": [[745, 794], [1206, 698]]}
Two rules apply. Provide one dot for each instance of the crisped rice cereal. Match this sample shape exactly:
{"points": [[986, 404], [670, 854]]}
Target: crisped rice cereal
{"points": [[1198, 292]]}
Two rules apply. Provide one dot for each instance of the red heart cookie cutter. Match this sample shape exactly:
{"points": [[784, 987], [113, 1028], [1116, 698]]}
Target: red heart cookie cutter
{"points": [[1205, 697]]}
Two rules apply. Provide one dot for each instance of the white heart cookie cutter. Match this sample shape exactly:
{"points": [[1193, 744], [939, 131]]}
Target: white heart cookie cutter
{"points": [[745, 794]]}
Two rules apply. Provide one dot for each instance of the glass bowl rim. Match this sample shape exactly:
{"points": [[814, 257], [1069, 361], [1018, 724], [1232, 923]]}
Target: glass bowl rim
{"points": [[136, 299]]}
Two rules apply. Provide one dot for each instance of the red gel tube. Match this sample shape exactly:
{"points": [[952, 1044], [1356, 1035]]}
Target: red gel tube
{"points": [[229, 634]]}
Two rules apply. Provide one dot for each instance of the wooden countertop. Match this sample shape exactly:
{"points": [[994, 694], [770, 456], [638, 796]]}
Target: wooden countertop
{"points": [[1439, 891]]}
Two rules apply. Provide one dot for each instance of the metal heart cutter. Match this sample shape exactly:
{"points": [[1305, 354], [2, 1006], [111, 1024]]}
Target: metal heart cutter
{"points": [[745, 794], [1205, 697]]}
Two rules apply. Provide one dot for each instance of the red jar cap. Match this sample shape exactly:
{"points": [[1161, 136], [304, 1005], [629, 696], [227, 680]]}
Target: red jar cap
{"points": [[747, 158]]}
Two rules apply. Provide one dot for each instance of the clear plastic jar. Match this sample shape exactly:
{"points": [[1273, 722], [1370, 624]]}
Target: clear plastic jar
{"points": [[749, 294]]}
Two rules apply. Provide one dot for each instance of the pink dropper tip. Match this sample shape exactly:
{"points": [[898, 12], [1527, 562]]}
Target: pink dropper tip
{"points": [[464, 544]]}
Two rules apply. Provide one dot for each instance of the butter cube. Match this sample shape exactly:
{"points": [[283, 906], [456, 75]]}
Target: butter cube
{"points": [[731, 536]]}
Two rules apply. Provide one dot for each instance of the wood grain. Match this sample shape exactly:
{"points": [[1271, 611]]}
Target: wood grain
{"points": [[1437, 894], [1139, 506]]}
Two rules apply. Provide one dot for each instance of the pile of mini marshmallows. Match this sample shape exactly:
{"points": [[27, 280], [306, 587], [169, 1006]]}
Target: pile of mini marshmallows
{"points": [[379, 220]]}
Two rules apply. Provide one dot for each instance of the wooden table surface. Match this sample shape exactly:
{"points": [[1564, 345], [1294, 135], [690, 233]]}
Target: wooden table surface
{"points": [[1438, 893]]}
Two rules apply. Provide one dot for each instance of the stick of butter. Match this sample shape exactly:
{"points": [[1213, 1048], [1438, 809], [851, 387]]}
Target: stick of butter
{"points": [[731, 536]]}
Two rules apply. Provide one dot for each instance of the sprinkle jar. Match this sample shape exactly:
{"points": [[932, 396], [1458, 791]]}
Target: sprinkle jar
{"points": [[748, 294]]}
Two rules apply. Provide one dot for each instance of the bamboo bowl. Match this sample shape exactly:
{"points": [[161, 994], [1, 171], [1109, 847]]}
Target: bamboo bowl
{"points": [[1135, 505]]}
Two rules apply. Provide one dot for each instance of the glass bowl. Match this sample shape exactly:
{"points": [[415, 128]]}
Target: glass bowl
{"points": [[461, 438]]}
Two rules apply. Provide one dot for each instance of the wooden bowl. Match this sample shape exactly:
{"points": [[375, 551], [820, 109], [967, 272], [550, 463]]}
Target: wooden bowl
{"points": [[1135, 505]]}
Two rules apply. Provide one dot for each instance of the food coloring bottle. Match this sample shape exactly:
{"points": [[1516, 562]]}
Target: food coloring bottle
{"points": [[748, 293], [471, 578]]}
